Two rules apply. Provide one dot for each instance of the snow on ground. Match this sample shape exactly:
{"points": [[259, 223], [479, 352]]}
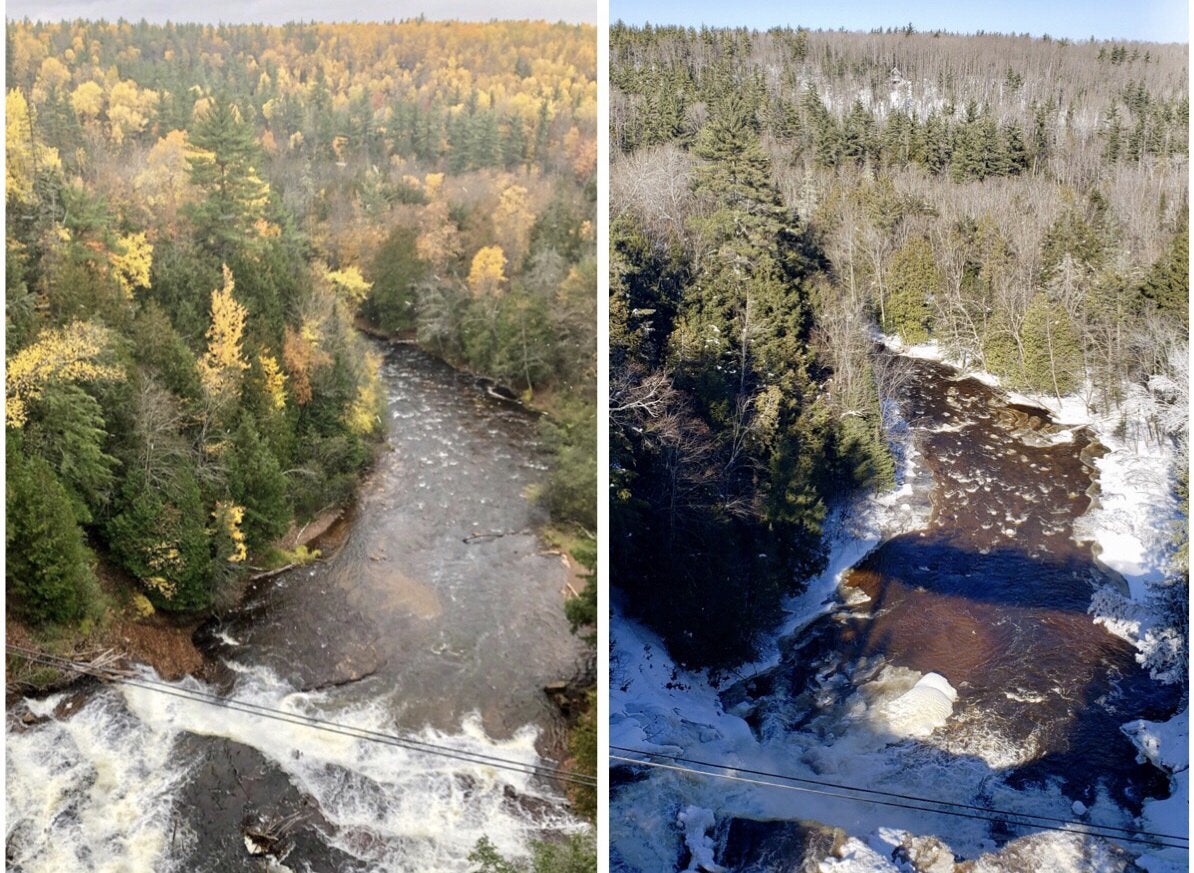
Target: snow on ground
{"points": [[1167, 745], [1130, 527], [657, 706]]}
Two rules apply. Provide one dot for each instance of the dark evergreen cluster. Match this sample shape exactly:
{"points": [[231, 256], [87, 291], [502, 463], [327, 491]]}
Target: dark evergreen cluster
{"points": [[724, 448]]}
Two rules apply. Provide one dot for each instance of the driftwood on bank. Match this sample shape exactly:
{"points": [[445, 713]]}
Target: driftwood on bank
{"points": [[480, 536]]}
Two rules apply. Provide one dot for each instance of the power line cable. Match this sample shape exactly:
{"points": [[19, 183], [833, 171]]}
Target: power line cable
{"points": [[1077, 828], [301, 720], [897, 795]]}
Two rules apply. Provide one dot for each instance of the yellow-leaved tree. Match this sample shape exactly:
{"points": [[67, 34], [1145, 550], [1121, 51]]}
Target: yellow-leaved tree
{"points": [[362, 415], [274, 379], [512, 220], [131, 262], [88, 100], [129, 109], [221, 368], [26, 154], [165, 183], [488, 272], [228, 518], [348, 282], [65, 354]]}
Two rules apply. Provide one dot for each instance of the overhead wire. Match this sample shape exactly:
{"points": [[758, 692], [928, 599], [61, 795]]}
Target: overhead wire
{"points": [[1000, 816], [302, 720], [892, 794]]}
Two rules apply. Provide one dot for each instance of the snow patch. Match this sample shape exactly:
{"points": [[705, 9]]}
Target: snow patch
{"points": [[697, 822], [923, 708]]}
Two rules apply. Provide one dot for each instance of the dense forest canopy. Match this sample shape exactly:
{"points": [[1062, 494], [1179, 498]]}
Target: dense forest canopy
{"points": [[199, 218], [777, 197]]}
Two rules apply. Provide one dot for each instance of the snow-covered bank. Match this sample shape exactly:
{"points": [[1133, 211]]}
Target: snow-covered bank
{"points": [[846, 720], [1130, 526], [1167, 745]]}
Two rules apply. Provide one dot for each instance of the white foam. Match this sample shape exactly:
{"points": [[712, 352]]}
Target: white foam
{"points": [[98, 790], [922, 709]]}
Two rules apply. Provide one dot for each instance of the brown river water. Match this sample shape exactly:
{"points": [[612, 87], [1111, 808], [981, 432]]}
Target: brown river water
{"points": [[992, 594]]}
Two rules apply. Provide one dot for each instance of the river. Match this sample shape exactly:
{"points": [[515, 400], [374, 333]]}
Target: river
{"points": [[990, 592], [439, 616]]}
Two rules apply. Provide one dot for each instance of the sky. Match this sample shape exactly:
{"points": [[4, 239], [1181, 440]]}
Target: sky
{"points": [[1154, 20], [281, 11]]}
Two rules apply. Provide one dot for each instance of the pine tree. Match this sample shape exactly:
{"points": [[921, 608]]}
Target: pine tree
{"points": [[223, 157], [913, 279], [48, 574]]}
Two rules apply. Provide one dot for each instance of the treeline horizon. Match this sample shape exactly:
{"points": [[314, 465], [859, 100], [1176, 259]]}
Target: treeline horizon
{"points": [[908, 29], [1026, 211], [198, 215]]}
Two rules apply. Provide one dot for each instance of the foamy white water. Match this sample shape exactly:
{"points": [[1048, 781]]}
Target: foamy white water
{"points": [[98, 790]]}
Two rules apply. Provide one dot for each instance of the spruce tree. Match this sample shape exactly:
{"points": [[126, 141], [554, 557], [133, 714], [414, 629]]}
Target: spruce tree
{"points": [[1166, 288], [223, 164], [1052, 348], [48, 573], [913, 279]]}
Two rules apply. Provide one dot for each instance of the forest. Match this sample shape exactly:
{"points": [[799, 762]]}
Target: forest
{"points": [[210, 228], [198, 219], [780, 199]]}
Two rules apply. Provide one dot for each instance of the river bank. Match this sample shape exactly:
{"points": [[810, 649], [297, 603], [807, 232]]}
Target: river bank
{"points": [[804, 709], [414, 627], [1131, 524], [161, 641]]}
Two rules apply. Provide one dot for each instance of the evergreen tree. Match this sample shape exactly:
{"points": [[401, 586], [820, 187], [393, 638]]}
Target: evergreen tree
{"points": [[223, 164], [913, 280], [66, 428], [396, 272], [255, 482], [160, 534], [48, 573], [1052, 349], [1166, 288]]}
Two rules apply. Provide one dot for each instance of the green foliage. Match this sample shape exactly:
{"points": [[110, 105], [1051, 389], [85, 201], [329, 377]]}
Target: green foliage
{"points": [[1166, 288], [1001, 351], [488, 860], [864, 455], [223, 165], [913, 279], [578, 854], [395, 272], [582, 744], [159, 534], [255, 481], [48, 573], [163, 352], [570, 493], [66, 427], [1052, 352]]}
